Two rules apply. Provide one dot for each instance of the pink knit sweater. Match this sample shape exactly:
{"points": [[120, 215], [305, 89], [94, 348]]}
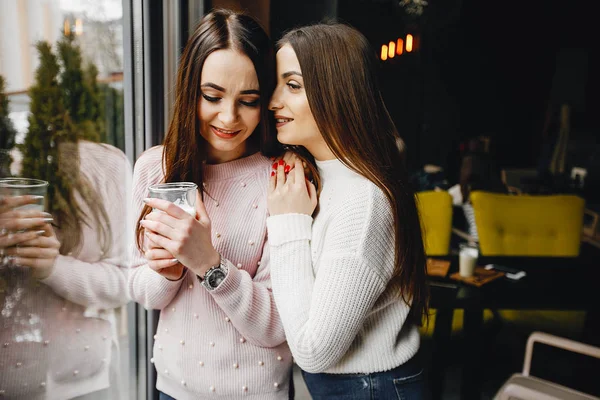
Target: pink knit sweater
{"points": [[229, 342]]}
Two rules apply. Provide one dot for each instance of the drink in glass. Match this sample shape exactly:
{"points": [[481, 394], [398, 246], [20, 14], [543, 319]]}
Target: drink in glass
{"points": [[182, 194], [10, 187], [467, 259]]}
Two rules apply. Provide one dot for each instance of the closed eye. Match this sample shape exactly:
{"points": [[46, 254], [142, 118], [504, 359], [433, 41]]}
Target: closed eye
{"points": [[253, 103], [293, 86], [211, 99]]}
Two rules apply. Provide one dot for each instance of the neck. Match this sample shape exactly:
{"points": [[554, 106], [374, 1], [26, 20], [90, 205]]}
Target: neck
{"points": [[320, 151], [215, 156]]}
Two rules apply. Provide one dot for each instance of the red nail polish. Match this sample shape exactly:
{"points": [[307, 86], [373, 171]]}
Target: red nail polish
{"points": [[272, 173], [274, 165], [281, 162], [272, 158], [287, 169]]}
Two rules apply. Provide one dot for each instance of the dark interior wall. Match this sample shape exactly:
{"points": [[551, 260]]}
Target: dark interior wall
{"points": [[287, 14], [484, 68]]}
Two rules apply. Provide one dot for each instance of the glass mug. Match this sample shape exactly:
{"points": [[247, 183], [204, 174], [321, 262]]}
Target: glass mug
{"points": [[467, 259], [182, 194], [10, 187]]}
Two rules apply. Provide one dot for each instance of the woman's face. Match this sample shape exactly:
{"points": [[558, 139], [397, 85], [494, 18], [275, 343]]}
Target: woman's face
{"points": [[229, 106], [294, 119]]}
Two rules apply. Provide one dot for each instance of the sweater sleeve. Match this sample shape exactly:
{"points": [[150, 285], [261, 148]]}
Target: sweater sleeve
{"points": [[145, 286], [100, 284], [250, 304], [322, 314]]}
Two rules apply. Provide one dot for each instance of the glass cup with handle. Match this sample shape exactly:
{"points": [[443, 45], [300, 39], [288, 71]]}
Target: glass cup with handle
{"points": [[182, 194]]}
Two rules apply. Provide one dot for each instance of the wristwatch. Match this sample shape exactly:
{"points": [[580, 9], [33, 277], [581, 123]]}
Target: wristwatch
{"points": [[214, 276]]}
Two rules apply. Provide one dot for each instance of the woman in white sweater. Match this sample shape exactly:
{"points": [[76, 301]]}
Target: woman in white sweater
{"points": [[350, 283]]}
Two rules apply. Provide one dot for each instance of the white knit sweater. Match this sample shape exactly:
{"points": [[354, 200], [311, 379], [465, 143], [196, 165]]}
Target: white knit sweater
{"points": [[330, 279]]}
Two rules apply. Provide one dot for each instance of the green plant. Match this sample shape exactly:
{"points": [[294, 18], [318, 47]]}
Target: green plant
{"points": [[7, 132]]}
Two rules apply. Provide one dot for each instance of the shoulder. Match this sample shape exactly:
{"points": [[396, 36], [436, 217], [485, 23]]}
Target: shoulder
{"points": [[106, 155], [103, 160], [149, 162], [150, 158], [148, 168], [363, 199]]}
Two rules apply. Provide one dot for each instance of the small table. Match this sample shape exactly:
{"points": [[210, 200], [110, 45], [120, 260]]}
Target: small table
{"points": [[551, 283]]}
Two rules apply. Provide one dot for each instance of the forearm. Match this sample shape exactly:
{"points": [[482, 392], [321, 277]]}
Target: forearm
{"points": [[250, 306], [101, 284]]}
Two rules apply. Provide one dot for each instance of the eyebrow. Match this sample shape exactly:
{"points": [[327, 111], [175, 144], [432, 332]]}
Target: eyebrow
{"points": [[290, 73], [222, 89]]}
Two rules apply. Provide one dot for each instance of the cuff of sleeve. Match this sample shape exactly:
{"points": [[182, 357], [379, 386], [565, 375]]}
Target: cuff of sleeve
{"points": [[162, 285], [285, 228], [60, 272], [230, 285]]}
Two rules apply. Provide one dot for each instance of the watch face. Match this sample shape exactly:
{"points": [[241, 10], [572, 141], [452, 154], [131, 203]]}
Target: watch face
{"points": [[216, 278]]}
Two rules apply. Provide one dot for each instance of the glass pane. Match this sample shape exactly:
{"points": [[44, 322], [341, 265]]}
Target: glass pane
{"points": [[63, 319]]}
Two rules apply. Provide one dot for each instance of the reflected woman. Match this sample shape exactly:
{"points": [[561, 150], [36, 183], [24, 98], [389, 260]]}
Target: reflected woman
{"points": [[64, 275]]}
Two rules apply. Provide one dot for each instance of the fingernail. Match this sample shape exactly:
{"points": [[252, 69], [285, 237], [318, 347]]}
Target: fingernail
{"points": [[272, 158], [287, 169], [147, 199], [174, 260], [281, 162], [36, 197], [272, 173], [274, 165], [48, 219], [40, 233], [304, 164], [45, 214]]}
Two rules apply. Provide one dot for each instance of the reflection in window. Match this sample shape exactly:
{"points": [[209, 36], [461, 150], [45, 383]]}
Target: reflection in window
{"points": [[63, 332]]}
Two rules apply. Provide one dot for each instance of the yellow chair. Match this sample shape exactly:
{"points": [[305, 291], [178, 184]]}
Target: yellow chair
{"points": [[525, 225], [528, 225], [435, 211]]}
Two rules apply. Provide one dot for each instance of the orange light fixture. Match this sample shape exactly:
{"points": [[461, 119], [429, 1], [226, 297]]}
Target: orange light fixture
{"points": [[409, 43], [391, 49], [384, 52], [400, 46]]}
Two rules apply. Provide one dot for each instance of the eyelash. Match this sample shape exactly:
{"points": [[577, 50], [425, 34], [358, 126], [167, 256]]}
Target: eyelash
{"points": [[211, 99], [293, 86]]}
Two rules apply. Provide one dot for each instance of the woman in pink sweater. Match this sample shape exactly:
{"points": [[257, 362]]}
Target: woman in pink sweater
{"points": [[219, 333]]}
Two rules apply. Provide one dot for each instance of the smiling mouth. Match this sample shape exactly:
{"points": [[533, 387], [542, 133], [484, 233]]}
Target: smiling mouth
{"points": [[224, 133], [279, 122]]}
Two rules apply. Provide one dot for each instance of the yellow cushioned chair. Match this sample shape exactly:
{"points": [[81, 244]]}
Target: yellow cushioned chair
{"points": [[435, 211], [525, 225], [528, 225]]}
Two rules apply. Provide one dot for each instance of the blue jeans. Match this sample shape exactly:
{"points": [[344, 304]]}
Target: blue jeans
{"points": [[401, 383]]}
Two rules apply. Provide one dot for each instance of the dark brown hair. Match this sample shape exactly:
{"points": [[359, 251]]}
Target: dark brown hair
{"points": [[184, 148], [339, 73]]}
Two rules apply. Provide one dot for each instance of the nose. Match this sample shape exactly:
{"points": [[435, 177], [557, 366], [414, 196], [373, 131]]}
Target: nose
{"points": [[275, 104], [229, 114]]}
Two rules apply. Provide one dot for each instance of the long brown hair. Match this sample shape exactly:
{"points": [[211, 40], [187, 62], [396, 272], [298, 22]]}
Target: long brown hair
{"points": [[184, 147], [339, 73]]}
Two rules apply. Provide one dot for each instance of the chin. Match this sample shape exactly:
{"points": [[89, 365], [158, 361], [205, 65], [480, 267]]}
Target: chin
{"points": [[284, 138]]}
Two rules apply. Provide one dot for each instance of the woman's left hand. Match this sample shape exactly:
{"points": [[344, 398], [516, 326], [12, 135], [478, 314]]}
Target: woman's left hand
{"points": [[187, 238], [39, 254], [291, 194]]}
